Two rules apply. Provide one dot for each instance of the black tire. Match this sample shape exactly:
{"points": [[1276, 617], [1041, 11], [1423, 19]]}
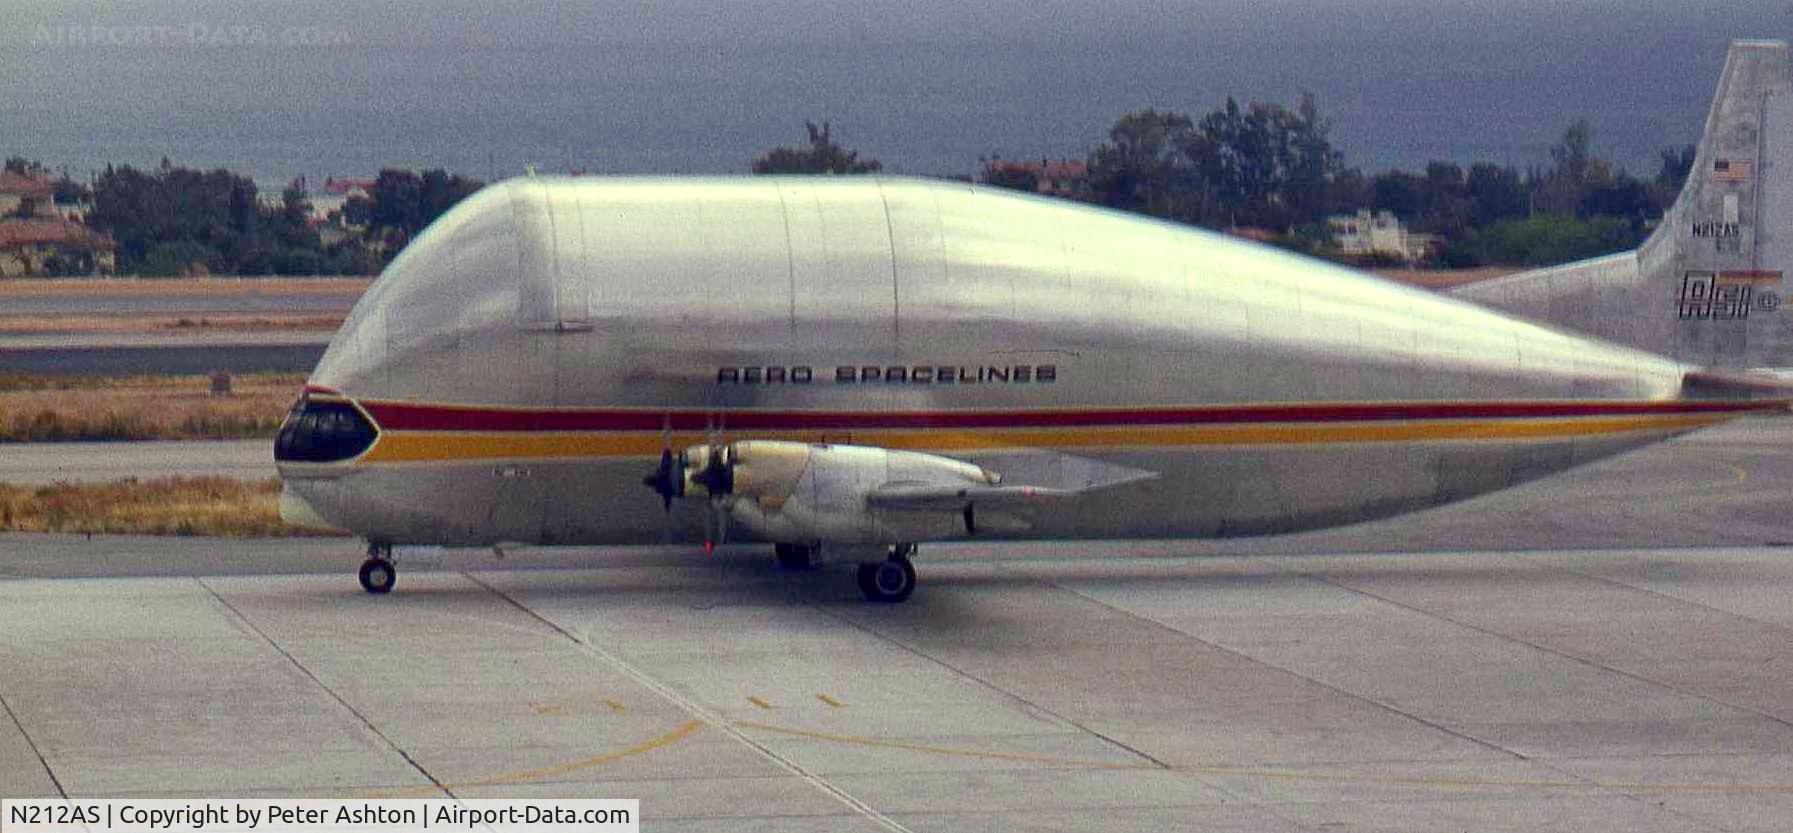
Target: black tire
{"points": [[887, 582], [378, 575], [795, 556]]}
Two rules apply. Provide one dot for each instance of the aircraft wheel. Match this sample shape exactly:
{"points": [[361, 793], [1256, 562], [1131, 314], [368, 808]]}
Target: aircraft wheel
{"points": [[888, 581], [378, 575], [796, 556]]}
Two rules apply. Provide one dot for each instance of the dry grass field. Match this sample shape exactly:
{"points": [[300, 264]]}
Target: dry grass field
{"points": [[172, 322], [181, 286], [214, 506], [77, 408], [1445, 278], [46, 324]]}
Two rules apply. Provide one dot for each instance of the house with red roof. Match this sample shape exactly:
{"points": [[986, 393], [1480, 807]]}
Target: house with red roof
{"points": [[1063, 178], [45, 246], [21, 194]]}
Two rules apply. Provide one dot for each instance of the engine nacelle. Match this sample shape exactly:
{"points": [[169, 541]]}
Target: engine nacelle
{"points": [[805, 493]]}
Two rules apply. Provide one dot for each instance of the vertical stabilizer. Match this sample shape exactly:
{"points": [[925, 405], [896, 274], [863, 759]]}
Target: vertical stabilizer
{"points": [[1707, 287]]}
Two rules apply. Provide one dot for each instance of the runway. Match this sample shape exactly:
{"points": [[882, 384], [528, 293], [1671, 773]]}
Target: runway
{"points": [[41, 463], [217, 295], [124, 354], [1608, 650], [83, 304]]}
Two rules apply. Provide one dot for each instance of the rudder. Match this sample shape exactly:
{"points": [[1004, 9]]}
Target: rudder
{"points": [[1707, 287]]}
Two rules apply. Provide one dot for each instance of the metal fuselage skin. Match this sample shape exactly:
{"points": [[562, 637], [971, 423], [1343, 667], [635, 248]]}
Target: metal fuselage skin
{"points": [[527, 358]]}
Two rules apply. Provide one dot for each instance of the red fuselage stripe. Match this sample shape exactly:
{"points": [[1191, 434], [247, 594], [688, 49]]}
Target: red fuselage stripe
{"points": [[400, 416]]}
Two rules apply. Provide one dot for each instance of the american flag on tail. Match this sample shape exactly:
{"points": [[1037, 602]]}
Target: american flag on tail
{"points": [[1731, 170]]}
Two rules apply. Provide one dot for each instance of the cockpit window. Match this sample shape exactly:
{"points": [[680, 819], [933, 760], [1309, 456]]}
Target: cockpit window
{"points": [[323, 432]]}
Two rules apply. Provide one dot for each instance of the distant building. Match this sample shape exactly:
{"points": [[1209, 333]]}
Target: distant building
{"points": [[76, 211], [1064, 178], [32, 247], [327, 206], [348, 186], [1254, 233], [1368, 233], [30, 193]]}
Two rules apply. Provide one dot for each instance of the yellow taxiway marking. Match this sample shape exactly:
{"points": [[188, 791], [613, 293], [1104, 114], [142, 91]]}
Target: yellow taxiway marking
{"points": [[691, 727], [830, 701], [684, 730], [943, 750], [551, 708], [1277, 774], [760, 702]]}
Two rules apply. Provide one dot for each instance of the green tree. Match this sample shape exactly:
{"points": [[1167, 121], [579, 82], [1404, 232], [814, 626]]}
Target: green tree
{"points": [[24, 167], [1495, 194], [1264, 165], [1260, 165], [1143, 167], [1574, 172], [1399, 192], [1622, 197], [1347, 191], [1545, 239], [1677, 164], [206, 217], [402, 203], [177, 221], [1445, 204], [822, 156], [66, 190], [1315, 164]]}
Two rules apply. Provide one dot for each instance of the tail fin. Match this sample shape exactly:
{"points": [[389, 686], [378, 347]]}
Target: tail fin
{"points": [[1707, 287]]}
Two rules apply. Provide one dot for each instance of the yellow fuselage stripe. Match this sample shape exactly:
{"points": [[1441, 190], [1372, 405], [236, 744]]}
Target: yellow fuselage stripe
{"points": [[438, 446]]}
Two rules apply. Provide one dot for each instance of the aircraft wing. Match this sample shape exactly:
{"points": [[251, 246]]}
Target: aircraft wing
{"points": [[1061, 477], [933, 498]]}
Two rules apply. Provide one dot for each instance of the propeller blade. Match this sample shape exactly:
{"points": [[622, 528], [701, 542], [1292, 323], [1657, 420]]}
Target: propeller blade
{"points": [[718, 475], [665, 480]]}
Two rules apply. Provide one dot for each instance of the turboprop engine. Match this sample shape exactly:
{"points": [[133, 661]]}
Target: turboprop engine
{"points": [[802, 493]]}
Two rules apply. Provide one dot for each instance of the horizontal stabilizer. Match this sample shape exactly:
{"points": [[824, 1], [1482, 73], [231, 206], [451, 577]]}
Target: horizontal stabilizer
{"points": [[1735, 385]]}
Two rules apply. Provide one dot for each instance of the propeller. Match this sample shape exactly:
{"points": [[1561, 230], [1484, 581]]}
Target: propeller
{"points": [[668, 480], [717, 477], [718, 480]]}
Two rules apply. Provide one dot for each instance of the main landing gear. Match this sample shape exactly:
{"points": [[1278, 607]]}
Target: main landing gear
{"points": [[891, 580], [377, 573]]}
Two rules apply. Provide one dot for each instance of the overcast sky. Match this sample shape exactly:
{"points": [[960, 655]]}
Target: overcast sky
{"points": [[928, 86]]}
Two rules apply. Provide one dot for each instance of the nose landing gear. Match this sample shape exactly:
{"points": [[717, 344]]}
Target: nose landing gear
{"points": [[378, 573]]}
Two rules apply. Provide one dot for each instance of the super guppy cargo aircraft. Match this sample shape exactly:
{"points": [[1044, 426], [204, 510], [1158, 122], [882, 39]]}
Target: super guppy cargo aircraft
{"points": [[850, 366]]}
